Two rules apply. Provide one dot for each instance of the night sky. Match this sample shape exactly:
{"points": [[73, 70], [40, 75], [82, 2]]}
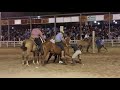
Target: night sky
{"points": [[19, 14]]}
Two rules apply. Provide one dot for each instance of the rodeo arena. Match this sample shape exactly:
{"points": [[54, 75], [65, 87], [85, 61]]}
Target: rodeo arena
{"points": [[70, 45]]}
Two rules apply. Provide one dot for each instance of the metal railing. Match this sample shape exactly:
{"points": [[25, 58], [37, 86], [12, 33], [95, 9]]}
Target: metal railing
{"points": [[110, 42], [10, 43]]}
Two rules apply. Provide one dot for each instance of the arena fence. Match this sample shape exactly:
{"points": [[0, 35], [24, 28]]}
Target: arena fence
{"points": [[108, 42], [10, 43]]}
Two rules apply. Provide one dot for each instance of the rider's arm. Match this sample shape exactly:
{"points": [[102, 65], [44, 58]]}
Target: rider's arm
{"points": [[62, 38], [41, 35]]}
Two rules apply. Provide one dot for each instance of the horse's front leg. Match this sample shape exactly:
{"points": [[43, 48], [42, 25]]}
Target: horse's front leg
{"points": [[34, 57], [38, 59], [88, 48], [67, 57], [55, 58], [44, 57], [23, 58], [27, 57], [50, 55]]}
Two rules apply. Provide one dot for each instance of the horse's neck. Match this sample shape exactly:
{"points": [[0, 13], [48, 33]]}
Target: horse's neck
{"points": [[31, 38], [90, 40], [67, 39]]}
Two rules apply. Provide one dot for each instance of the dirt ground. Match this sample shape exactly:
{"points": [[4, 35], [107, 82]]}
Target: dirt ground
{"points": [[103, 65]]}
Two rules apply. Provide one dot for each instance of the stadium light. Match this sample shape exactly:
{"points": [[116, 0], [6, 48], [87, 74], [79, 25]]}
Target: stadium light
{"points": [[12, 27], [95, 21], [38, 17], [98, 23], [115, 22]]}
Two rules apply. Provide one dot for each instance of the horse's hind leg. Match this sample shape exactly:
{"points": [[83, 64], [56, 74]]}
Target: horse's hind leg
{"points": [[23, 58], [55, 58], [38, 58], [88, 48], [50, 55], [27, 58], [34, 58], [27, 63]]}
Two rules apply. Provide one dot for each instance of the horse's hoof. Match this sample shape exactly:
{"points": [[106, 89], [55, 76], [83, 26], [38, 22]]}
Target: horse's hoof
{"points": [[34, 63], [64, 64], [80, 62], [23, 64], [36, 67], [62, 57], [73, 64], [38, 62], [43, 64], [27, 65], [46, 62]]}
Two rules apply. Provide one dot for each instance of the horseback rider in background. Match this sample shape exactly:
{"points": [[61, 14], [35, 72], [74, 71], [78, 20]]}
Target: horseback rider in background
{"points": [[37, 35]]}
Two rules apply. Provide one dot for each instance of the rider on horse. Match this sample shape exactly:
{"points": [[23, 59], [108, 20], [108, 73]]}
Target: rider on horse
{"points": [[36, 34], [59, 39]]}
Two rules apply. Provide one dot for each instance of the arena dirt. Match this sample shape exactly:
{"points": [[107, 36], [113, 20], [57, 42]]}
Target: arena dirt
{"points": [[103, 65]]}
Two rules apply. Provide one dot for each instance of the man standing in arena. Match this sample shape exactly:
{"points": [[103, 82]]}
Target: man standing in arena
{"points": [[103, 44], [98, 43], [59, 39], [36, 34]]}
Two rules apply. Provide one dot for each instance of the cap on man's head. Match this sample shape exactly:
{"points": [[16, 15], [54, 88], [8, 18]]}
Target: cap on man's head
{"points": [[62, 31]]}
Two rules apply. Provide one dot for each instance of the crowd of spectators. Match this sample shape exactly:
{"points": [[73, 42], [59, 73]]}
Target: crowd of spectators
{"points": [[74, 30]]}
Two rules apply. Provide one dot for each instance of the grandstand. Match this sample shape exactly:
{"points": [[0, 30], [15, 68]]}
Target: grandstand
{"points": [[16, 26]]}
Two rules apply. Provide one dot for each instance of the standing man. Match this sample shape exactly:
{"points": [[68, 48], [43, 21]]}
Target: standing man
{"points": [[103, 44]]}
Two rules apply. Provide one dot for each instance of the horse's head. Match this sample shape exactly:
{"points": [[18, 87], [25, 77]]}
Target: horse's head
{"points": [[67, 40], [89, 40]]}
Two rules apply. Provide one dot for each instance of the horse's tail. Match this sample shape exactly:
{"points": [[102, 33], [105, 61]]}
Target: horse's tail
{"points": [[23, 46]]}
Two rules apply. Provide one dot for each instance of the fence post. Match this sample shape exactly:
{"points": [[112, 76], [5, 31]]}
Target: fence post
{"points": [[0, 43], [14, 42], [112, 42], [19, 40], [7, 44], [93, 41]]}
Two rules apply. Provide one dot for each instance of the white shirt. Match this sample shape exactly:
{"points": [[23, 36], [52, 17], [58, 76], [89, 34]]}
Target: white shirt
{"points": [[52, 40], [86, 36], [44, 37], [102, 42]]}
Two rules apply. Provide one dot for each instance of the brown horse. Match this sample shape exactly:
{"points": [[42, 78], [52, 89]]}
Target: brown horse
{"points": [[48, 46], [29, 48], [67, 41], [85, 43]]}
